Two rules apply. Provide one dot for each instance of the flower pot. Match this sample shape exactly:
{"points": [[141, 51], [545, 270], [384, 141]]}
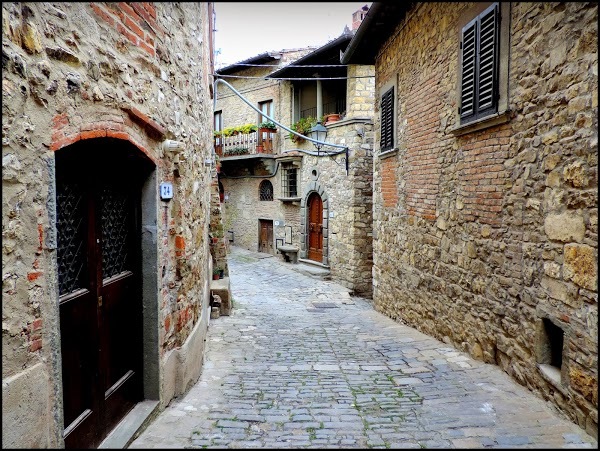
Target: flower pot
{"points": [[216, 276], [333, 117]]}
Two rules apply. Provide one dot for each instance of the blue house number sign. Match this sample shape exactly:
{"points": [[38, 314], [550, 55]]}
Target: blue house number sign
{"points": [[166, 191]]}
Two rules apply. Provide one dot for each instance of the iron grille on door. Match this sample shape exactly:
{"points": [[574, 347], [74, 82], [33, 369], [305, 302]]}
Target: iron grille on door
{"points": [[479, 83], [115, 232], [71, 238], [387, 117]]}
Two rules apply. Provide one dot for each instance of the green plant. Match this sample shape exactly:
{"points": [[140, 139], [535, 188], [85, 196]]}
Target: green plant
{"points": [[217, 133], [236, 151], [247, 128], [268, 124], [302, 126], [229, 131]]}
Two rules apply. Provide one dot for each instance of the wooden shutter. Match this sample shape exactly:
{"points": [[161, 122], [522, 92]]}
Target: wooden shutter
{"points": [[479, 65], [488, 60], [469, 72], [387, 118]]}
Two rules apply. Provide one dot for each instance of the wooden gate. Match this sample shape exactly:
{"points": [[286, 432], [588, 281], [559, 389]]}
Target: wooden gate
{"points": [[265, 240], [315, 228], [98, 214]]}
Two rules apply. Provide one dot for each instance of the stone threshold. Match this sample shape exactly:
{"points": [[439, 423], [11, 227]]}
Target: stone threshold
{"points": [[313, 263], [131, 425]]}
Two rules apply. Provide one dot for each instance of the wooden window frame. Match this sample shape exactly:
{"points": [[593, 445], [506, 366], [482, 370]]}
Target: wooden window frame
{"points": [[286, 168], [500, 114], [387, 110], [269, 104]]}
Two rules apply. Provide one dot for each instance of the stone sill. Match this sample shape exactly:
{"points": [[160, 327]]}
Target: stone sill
{"points": [[388, 153], [480, 124], [552, 375], [290, 199]]}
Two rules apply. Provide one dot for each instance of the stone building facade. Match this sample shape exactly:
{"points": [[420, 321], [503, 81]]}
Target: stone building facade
{"points": [[346, 197], [102, 103], [486, 233]]}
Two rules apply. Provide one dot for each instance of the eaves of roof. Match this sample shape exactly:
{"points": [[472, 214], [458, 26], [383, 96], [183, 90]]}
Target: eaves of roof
{"points": [[376, 27], [258, 59], [328, 54]]}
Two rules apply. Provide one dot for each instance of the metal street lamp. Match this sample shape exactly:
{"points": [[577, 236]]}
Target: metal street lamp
{"points": [[319, 133]]}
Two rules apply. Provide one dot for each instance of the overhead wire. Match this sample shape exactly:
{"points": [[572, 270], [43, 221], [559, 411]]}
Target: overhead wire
{"points": [[292, 78]]}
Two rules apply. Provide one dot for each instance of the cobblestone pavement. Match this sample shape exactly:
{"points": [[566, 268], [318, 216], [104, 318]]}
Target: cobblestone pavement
{"points": [[302, 364]]}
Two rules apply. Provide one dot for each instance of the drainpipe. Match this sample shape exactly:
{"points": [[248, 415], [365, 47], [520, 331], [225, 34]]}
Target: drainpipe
{"points": [[319, 99]]}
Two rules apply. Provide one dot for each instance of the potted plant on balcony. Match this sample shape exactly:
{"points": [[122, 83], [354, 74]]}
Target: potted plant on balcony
{"points": [[302, 126], [331, 117], [216, 273], [229, 131], [267, 126], [265, 137], [246, 129]]}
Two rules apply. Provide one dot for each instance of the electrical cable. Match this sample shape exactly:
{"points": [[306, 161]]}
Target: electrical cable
{"points": [[291, 78]]}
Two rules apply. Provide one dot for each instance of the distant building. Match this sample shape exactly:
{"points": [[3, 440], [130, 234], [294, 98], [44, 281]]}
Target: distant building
{"points": [[283, 197]]}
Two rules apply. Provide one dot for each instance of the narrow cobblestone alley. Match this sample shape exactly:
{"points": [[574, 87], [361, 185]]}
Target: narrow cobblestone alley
{"points": [[302, 364]]}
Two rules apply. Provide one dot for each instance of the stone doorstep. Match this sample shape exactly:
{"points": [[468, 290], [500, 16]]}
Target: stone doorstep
{"points": [[133, 424], [311, 268]]}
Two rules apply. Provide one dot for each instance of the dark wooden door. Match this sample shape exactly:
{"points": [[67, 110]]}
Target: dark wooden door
{"points": [[99, 297], [315, 228], [265, 241]]}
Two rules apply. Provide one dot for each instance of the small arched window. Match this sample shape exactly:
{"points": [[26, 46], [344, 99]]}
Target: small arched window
{"points": [[265, 190]]}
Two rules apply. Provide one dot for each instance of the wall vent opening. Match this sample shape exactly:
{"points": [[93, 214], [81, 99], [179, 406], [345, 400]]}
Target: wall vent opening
{"points": [[550, 350]]}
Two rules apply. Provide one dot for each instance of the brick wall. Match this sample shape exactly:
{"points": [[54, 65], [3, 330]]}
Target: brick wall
{"points": [[389, 187], [495, 230]]}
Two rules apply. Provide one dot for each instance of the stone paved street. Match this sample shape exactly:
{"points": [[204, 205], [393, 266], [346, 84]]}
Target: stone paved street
{"points": [[301, 364]]}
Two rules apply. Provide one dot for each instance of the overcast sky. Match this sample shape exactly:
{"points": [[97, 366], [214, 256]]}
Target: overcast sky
{"points": [[248, 29]]}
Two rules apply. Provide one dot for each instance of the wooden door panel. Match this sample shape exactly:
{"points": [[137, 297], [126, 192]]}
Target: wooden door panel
{"points": [[78, 314], [265, 240], [100, 295], [120, 327], [270, 237], [315, 227]]}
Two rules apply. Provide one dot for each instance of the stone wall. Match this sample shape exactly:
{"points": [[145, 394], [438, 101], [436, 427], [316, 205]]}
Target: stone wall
{"points": [[243, 208], [480, 236], [79, 71]]}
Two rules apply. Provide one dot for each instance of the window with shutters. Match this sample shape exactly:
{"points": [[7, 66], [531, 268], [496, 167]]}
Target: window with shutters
{"points": [[480, 51], [387, 120]]}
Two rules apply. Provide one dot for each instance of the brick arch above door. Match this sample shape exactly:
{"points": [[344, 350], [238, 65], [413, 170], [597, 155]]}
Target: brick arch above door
{"points": [[314, 187]]}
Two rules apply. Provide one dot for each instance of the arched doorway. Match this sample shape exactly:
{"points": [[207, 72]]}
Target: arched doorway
{"points": [[98, 215], [315, 227]]}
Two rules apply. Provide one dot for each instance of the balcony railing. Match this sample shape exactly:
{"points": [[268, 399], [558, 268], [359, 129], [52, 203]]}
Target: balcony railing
{"points": [[337, 106], [245, 144]]}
